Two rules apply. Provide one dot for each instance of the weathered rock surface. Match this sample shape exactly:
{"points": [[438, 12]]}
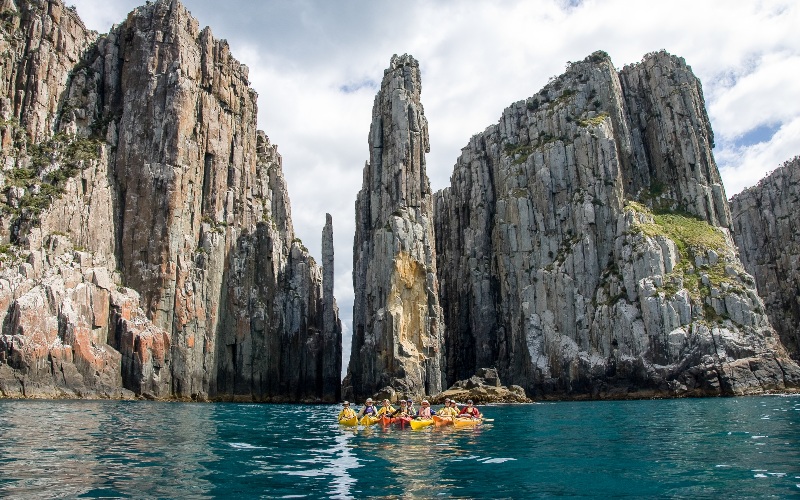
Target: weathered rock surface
{"points": [[397, 320], [483, 387], [583, 247], [41, 42], [158, 171], [766, 227]]}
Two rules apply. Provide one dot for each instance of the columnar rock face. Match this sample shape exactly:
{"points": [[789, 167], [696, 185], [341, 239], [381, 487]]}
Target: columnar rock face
{"points": [[583, 251], [766, 227], [40, 43], [397, 320], [158, 173]]}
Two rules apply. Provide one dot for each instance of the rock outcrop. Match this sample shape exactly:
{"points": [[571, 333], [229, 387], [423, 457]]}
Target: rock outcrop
{"points": [[397, 320], [766, 227], [150, 161], [583, 246], [483, 387]]}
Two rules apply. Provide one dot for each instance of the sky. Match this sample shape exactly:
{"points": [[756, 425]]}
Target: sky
{"points": [[317, 64]]}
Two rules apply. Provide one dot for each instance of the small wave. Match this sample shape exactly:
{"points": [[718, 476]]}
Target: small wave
{"points": [[245, 446], [777, 474], [497, 460], [758, 437], [760, 475], [722, 465]]}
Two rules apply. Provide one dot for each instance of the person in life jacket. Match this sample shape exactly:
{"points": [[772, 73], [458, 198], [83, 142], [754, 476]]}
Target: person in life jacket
{"points": [[470, 411], [425, 410], [402, 411], [447, 410], [346, 412], [410, 408], [368, 409], [386, 408]]}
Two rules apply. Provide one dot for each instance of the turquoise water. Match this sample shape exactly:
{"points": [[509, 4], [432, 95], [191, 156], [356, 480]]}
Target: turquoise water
{"points": [[699, 448]]}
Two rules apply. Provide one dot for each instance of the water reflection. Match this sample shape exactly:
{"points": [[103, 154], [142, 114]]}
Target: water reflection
{"points": [[102, 448]]}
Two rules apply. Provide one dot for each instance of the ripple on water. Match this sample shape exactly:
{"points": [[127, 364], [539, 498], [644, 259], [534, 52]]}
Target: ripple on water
{"points": [[246, 446]]}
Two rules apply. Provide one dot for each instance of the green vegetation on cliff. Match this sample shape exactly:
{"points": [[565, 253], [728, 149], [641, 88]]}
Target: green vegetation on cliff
{"points": [[701, 247]]}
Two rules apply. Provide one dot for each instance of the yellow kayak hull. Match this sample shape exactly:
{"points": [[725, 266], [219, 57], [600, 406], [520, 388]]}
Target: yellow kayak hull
{"points": [[350, 422], [422, 423], [367, 420], [466, 422]]}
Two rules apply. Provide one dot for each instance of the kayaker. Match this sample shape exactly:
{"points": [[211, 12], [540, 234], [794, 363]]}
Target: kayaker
{"points": [[470, 411], [425, 410], [346, 412], [368, 409], [447, 410], [410, 407], [402, 411], [386, 408]]}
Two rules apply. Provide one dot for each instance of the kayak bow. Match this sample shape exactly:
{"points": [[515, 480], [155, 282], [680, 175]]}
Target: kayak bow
{"points": [[367, 420], [466, 422], [350, 422], [421, 423], [438, 420]]}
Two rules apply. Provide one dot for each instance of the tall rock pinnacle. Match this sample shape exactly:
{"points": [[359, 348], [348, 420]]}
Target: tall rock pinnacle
{"points": [[397, 320], [331, 325]]}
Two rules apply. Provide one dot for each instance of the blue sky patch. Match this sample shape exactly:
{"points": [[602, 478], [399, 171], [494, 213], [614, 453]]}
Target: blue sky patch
{"points": [[349, 88], [762, 133]]}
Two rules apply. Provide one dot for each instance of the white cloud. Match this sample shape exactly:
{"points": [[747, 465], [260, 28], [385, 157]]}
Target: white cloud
{"points": [[478, 57], [768, 94], [742, 167]]}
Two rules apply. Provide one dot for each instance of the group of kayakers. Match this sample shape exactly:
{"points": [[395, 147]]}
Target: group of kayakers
{"points": [[406, 409]]}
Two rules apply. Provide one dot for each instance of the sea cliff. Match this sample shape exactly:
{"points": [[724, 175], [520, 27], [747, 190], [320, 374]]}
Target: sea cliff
{"points": [[150, 246]]}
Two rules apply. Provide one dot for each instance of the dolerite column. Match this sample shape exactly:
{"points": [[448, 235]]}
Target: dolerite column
{"points": [[397, 321], [332, 326]]}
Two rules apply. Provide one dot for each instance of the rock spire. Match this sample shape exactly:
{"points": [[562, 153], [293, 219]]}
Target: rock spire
{"points": [[397, 320]]}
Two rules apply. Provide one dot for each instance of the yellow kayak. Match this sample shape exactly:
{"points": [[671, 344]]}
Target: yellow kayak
{"points": [[466, 422], [350, 422], [367, 420], [419, 424]]}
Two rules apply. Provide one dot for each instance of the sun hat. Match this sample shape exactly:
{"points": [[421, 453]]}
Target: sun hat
{"points": [[346, 403], [469, 401], [447, 400], [369, 400]]}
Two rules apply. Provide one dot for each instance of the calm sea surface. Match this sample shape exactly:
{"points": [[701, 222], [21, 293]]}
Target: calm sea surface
{"points": [[699, 448]]}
